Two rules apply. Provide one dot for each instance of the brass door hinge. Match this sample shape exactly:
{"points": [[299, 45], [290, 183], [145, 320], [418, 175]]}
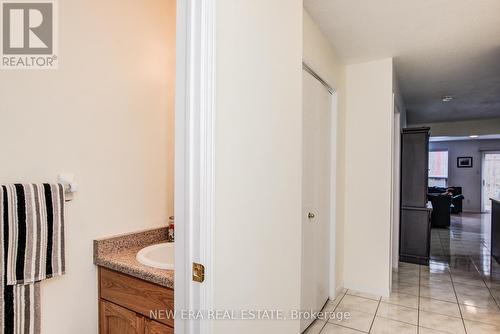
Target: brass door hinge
{"points": [[198, 272]]}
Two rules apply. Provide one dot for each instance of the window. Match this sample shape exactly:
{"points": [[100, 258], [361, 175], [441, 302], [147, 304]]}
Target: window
{"points": [[438, 169]]}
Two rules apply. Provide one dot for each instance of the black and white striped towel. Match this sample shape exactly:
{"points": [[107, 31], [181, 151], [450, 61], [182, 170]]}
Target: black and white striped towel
{"points": [[32, 240]]}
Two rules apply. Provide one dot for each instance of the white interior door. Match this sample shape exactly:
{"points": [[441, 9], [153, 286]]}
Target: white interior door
{"points": [[315, 195]]}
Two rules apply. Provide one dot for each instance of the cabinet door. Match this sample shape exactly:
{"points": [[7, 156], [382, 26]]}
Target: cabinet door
{"points": [[153, 327], [135, 294], [414, 168], [415, 236], [118, 320]]}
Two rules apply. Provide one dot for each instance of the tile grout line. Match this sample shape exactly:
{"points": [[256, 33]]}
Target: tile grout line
{"points": [[454, 290], [323, 327], [456, 297], [340, 325], [480, 272], [418, 299], [484, 281], [326, 322], [404, 306], [492, 296], [349, 328], [340, 301], [375, 315], [335, 308]]}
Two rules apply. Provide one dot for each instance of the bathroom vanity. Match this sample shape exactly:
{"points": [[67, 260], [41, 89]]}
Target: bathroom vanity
{"points": [[133, 298], [128, 304]]}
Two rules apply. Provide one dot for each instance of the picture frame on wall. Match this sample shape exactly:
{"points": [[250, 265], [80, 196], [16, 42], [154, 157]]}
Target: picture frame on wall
{"points": [[464, 162]]}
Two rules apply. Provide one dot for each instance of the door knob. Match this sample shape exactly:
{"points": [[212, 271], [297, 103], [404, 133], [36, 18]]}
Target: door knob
{"points": [[311, 215]]}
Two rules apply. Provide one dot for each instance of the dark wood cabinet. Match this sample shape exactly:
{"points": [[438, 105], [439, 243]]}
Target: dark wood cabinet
{"points": [[415, 235], [495, 229], [414, 167], [414, 238], [128, 305]]}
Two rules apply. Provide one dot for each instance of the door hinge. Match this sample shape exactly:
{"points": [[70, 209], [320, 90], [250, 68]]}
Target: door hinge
{"points": [[198, 272]]}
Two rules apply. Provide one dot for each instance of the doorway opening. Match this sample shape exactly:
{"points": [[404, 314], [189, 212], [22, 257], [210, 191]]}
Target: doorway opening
{"points": [[490, 181]]}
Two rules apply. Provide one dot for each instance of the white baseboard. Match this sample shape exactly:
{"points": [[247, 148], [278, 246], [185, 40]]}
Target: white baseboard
{"points": [[338, 291], [384, 292]]}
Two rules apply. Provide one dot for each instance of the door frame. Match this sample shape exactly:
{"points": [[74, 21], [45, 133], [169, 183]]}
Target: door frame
{"points": [[194, 161], [396, 185], [333, 195], [481, 184]]}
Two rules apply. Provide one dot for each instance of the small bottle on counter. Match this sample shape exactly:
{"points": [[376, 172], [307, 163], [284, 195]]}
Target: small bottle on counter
{"points": [[171, 230]]}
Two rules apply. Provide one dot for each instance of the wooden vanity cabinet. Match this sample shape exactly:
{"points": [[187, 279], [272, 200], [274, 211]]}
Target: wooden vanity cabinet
{"points": [[154, 327], [126, 302], [115, 319]]}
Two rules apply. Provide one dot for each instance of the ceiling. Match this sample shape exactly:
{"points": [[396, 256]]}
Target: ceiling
{"points": [[440, 47]]}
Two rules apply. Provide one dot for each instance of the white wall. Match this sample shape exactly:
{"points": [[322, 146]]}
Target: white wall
{"points": [[468, 178], [102, 115], [258, 160], [320, 55], [368, 165], [464, 128]]}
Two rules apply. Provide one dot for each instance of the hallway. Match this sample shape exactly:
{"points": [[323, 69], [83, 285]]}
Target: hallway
{"points": [[459, 292]]}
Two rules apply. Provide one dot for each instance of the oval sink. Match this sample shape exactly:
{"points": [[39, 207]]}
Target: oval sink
{"points": [[159, 256]]}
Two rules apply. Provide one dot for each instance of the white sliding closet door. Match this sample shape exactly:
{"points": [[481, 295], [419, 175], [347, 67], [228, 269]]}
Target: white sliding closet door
{"points": [[315, 195]]}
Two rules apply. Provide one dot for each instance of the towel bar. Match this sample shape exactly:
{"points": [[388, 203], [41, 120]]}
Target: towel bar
{"points": [[68, 192], [70, 186]]}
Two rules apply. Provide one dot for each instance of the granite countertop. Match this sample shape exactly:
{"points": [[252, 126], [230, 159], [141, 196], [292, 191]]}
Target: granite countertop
{"points": [[118, 253], [494, 199]]}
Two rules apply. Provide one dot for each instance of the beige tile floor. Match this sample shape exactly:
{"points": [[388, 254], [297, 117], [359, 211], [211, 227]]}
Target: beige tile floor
{"points": [[458, 293]]}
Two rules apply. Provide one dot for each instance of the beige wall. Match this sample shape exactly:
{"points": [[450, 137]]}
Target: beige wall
{"points": [[368, 161], [464, 128], [170, 52], [258, 161], [103, 115], [320, 55]]}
